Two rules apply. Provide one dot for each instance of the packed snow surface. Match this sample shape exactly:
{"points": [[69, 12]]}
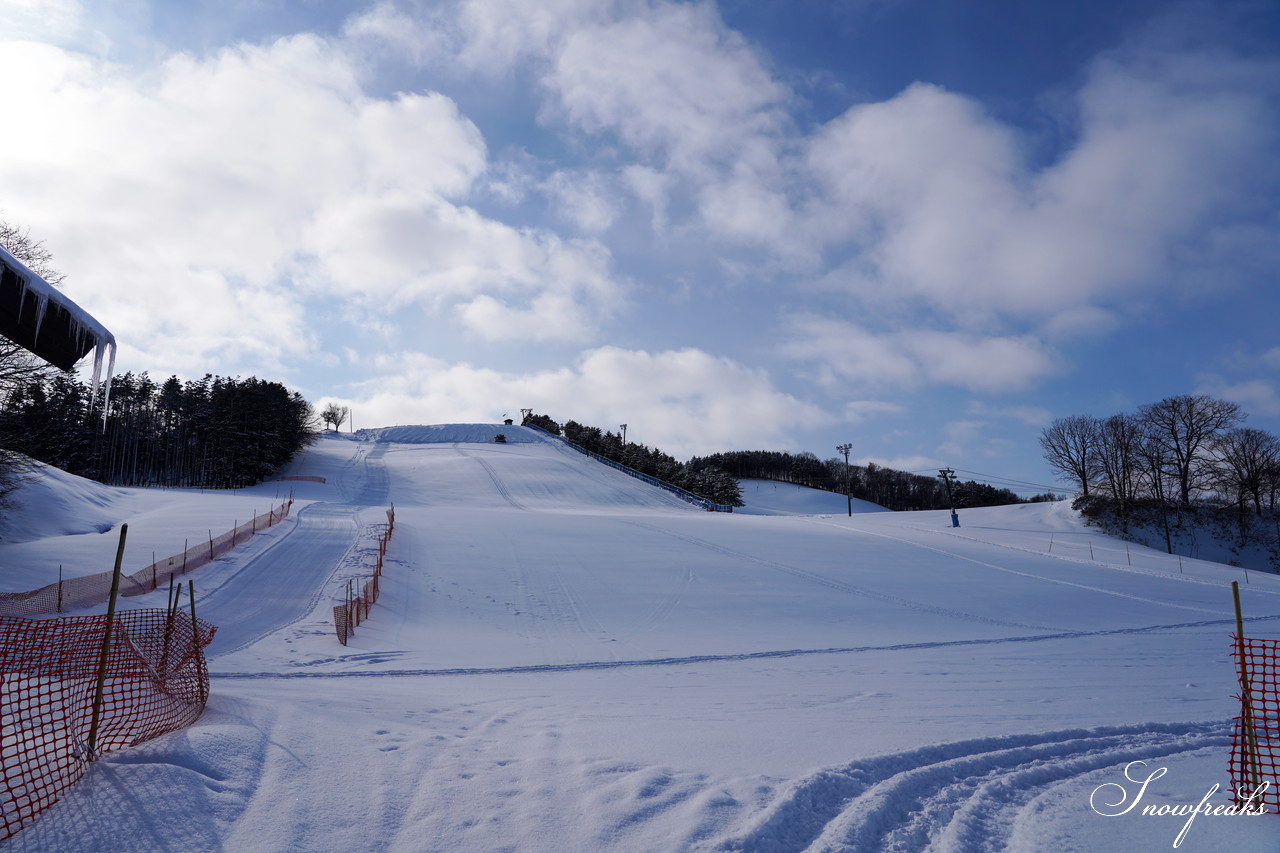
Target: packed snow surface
{"points": [[566, 659]]}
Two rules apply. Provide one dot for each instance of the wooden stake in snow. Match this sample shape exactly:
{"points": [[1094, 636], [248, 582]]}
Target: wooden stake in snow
{"points": [[106, 646], [195, 628], [1246, 703]]}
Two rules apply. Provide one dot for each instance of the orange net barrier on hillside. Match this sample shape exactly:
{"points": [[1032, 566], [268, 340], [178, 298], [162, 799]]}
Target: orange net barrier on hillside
{"points": [[359, 597], [92, 590], [1255, 746], [155, 681]]}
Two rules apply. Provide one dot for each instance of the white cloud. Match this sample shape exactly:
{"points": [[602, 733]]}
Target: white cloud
{"points": [[946, 210], [692, 107], [934, 200], [846, 352], [390, 30], [57, 21], [498, 35], [671, 81], [859, 411], [583, 199], [1271, 358], [1255, 396], [395, 248], [1030, 415], [959, 437], [652, 187], [683, 401], [189, 202]]}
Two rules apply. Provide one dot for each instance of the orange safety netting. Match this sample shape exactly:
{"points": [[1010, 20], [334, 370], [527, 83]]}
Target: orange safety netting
{"points": [[92, 590], [355, 610], [357, 601], [1255, 746], [155, 680]]}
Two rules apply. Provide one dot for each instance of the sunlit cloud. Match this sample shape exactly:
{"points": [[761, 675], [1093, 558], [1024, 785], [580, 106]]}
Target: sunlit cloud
{"points": [[843, 352], [683, 401]]}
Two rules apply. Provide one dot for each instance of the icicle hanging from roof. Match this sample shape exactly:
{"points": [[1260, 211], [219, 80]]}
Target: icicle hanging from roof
{"points": [[41, 319]]}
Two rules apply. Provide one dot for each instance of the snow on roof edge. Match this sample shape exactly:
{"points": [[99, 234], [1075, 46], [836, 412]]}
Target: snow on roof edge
{"points": [[85, 323], [45, 290]]}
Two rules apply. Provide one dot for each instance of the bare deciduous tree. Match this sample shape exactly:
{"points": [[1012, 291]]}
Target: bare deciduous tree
{"points": [[1183, 427], [19, 367], [1070, 446], [1246, 460], [334, 415], [1116, 451]]}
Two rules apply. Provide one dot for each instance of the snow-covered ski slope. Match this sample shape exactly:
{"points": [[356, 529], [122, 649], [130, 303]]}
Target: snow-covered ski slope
{"points": [[567, 659]]}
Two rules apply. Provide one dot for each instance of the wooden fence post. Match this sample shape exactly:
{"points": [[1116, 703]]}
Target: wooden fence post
{"points": [[106, 646], [1246, 703]]}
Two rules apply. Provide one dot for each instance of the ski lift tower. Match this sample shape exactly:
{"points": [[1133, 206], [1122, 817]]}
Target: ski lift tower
{"points": [[947, 474]]}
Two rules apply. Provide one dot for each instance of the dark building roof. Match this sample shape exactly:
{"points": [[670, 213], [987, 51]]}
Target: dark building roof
{"points": [[41, 319]]}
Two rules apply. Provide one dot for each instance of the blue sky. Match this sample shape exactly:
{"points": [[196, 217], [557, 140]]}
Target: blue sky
{"points": [[925, 227]]}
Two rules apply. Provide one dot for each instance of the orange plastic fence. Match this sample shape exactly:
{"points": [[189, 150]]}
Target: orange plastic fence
{"points": [[1255, 748], [358, 600], [92, 590], [156, 681]]}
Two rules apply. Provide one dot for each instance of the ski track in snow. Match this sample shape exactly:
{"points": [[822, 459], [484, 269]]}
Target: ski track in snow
{"points": [[723, 658], [962, 797], [498, 485]]}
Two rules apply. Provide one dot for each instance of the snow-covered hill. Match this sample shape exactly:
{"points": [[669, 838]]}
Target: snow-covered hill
{"points": [[769, 497], [566, 659]]}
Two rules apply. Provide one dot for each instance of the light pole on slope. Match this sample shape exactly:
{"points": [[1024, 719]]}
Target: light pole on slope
{"points": [[845, 448]]}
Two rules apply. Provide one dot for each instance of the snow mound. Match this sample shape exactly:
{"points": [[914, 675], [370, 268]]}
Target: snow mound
{"points": [[52, 502], [451, 434]]}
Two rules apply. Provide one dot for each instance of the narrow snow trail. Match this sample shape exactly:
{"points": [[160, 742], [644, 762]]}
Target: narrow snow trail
{"points": [[282, 584]]}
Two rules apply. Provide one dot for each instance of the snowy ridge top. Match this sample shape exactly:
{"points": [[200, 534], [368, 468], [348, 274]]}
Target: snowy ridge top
{"points": [[451, 434]]}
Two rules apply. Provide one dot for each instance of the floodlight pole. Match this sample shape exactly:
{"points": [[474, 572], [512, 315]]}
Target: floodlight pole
{"points": [[845, 448], [624, 433]]}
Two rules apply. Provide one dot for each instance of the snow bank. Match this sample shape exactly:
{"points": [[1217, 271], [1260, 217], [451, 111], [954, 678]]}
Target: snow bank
{"points": [[51, 502]]}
